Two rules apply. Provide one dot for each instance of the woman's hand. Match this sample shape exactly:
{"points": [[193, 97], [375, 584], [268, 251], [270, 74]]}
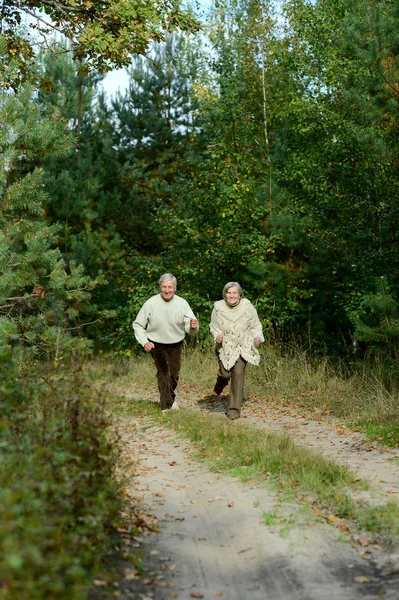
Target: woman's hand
{"points": [[219, 338], [257, 341]]}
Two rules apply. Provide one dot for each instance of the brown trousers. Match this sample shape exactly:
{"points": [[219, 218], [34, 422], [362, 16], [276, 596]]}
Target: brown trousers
{"points": [[236, 374], [167, 359]]}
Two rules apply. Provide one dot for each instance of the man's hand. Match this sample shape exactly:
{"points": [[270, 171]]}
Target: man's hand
{"points": [[148, 346], [193, 324], [219, 338]]}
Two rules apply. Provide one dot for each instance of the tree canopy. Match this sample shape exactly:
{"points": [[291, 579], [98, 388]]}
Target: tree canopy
{"points": [[104, 33], [265, 153]]}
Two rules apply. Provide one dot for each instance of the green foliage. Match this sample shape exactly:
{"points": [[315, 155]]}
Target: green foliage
{"points": [[107, 194], [155, 121], [12, 397], [106, 34], [58, 492], [40, 295], [273, 162], [376, 321]]}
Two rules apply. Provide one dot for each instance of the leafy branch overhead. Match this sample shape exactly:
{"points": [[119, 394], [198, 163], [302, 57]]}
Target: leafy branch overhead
{"points": [[105, 33]]}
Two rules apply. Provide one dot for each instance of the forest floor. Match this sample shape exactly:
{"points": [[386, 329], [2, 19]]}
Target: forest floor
{"points": [[207, 535]]}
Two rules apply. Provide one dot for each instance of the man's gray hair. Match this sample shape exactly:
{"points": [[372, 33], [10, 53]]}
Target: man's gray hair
{"points": [[168, 277], [232, 284]]}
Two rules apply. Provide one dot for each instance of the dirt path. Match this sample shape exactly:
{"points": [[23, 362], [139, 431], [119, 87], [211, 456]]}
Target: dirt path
{"points": [[213, 540], [378, 464]]}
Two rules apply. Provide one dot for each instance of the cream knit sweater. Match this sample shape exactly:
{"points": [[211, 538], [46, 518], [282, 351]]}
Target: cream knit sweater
{"points": [[239, 325], [164, 322]]}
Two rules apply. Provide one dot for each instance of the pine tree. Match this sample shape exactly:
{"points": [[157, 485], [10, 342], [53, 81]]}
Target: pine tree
{"points": [[376, 322], [40, 295], [155, 121]]}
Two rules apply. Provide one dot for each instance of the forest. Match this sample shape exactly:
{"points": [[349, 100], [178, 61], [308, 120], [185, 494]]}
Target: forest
{"points": [[256, 141], [260, 149]]}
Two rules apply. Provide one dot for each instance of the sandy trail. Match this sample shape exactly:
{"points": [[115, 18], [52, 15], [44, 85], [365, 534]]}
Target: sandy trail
{"points": [[371, 461], [214, 543]]}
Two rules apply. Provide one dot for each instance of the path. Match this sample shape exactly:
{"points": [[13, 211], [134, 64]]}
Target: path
{"points": [[213, 542]]}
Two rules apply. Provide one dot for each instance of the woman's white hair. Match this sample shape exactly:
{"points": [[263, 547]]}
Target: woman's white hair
{"points": [[168, 277], [230, 285]]}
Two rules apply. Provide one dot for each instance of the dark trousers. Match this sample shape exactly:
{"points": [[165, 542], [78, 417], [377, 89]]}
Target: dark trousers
{"points": [[236, 374], [167, 359]]}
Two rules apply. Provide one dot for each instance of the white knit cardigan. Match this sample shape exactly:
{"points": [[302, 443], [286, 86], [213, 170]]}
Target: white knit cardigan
{"points": [[238, 325]]}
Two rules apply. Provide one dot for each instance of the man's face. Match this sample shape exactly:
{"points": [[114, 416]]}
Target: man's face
{"points": [[168, 289]]}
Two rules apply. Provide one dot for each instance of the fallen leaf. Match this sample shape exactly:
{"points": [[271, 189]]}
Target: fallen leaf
{"points": [[230, 504], [219, 594], [361, 579], [333, 518], [99, 582], [197, 595], [193, 501], [363, 540]]}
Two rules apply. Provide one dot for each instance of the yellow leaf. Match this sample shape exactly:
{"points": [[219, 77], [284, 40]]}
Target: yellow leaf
{"points": [[333, 518]]}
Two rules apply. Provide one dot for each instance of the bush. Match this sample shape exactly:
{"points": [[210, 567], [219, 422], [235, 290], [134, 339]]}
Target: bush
{"points": [[58, 491]]}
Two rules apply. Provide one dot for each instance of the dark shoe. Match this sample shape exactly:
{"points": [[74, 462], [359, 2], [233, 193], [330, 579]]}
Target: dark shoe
{"points": [[233, 413], [217, 390]]}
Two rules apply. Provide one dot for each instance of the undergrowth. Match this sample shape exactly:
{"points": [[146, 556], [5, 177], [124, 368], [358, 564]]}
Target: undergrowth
{"points": [[58, 491]]}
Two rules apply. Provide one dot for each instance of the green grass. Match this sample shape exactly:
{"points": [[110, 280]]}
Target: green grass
{"points": [[385, 433], [295, 473], [293, 382], [289, 379]]}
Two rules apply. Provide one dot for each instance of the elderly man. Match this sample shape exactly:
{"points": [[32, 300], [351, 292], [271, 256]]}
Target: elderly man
{"points": [[160, 327]]}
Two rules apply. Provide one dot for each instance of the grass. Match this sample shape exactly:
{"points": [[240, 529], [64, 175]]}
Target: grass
{"points": [[288, 379], [294, 382], [58, 493], [295, 472]]}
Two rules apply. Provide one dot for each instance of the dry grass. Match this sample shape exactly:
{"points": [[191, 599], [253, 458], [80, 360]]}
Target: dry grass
{"points": [[313, 385]]}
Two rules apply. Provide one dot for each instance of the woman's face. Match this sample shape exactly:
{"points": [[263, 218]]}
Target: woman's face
{"points": [[232, 295]]}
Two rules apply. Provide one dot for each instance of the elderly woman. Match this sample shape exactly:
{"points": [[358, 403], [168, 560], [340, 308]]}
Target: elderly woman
{"points": [[237, 332]]}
